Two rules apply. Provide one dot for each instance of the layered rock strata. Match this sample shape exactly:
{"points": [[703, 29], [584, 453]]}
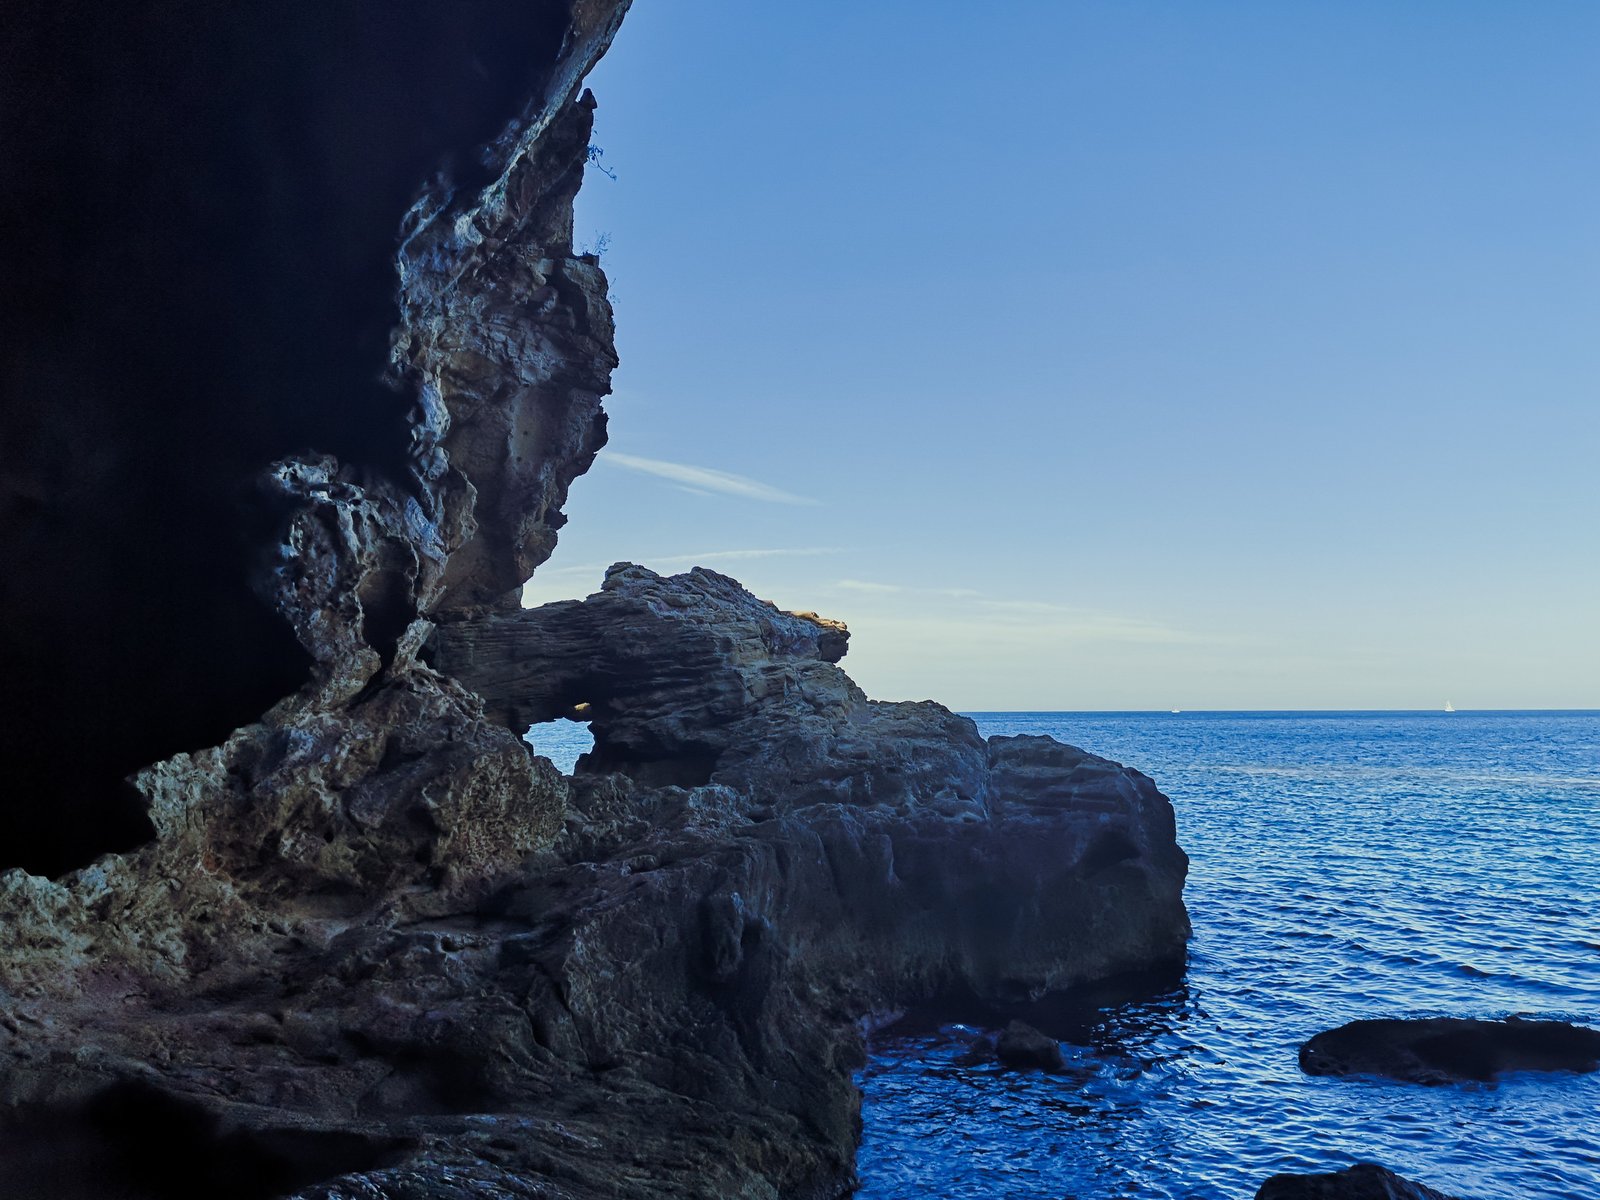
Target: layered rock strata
{"points": [[366, 944]]}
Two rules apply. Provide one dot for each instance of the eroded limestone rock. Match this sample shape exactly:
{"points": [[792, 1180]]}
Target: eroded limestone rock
{"points": [[667, 994]]}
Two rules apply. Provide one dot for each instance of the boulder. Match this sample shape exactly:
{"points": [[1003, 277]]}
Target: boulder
{"points": [[1021, 1046], [1364, 1181], [1441, 1050]]}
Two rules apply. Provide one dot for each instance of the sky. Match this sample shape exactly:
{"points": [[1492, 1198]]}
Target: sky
{"points": [[1115, 355]]}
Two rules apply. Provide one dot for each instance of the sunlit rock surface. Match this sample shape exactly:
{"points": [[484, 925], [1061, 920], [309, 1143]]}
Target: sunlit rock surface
{"points": [[301, 912]]}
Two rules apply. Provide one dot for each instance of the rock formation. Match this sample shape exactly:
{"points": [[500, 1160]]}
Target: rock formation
{"points": [[1021, 1046], [205, 367], [340, 933], [1441, 1050], [1364, 1181]]}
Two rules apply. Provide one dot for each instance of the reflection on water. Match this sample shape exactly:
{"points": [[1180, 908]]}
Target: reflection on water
{"points": [[1344, 866]]}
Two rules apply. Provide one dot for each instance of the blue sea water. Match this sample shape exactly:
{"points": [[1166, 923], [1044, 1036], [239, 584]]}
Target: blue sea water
{"points": [[1344, 865]]}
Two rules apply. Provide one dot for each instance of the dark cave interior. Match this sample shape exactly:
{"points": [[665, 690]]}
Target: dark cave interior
{"points": [[201, 204]]}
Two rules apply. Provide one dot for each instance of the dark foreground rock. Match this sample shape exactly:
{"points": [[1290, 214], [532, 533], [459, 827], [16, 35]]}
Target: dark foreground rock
{"points": [[1021, 1046], [1443, 1050], [1364, 1181], [214, 415], [361, 923]]}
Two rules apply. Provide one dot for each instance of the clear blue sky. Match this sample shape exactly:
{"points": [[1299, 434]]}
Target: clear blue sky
{"points": [[1119, 354]]}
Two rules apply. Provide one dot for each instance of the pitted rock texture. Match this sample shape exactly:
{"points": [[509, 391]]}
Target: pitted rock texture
{"points": [[1364, 1181], [663, 998], [1441, 1050]]}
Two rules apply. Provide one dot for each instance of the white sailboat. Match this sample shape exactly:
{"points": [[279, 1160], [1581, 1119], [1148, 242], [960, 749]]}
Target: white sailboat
{"points": [[1448, 707]]}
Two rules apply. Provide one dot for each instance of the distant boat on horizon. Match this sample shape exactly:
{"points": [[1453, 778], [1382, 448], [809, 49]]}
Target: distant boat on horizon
{"points": [[1177, 710], [1448, 707]]}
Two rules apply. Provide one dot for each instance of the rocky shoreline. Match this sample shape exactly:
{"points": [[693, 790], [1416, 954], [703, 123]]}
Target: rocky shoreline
{"points": [[393, 950], [367, 944]]}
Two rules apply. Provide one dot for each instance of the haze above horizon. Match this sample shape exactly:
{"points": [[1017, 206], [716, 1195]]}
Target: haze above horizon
{"points": [[1115, 356]]}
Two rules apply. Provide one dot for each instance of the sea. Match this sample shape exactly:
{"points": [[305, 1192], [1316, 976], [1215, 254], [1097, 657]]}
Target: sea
{"points": [[1342, 865]]}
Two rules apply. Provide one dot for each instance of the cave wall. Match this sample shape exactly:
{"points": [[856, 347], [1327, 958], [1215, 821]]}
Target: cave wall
{"points": [[203, 205]]}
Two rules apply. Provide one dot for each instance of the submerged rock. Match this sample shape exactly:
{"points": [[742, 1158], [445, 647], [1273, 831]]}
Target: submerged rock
{"points": [[978, 1050], [1364, 1181], [1021, 1046], [1442, 1050]]}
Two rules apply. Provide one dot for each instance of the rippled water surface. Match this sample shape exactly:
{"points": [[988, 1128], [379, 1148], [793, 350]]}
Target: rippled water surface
{"points": [[1344, 865]]}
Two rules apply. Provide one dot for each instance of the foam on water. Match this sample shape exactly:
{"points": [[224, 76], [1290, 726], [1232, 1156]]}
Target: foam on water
{"points": [[1343, 865]]}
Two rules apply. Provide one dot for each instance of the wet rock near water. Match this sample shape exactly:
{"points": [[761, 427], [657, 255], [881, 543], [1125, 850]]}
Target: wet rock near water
{"points": [[1020, 1046], [1444, 1050], [1364, 1181]]}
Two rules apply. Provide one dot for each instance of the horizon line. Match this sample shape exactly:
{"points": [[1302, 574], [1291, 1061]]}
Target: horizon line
{"points": [[1183, 711]]}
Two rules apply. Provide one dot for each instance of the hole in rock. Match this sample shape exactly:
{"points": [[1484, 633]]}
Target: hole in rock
{"points": [[1107, 850], [136, 1142], [202, 203], [563, 741]]}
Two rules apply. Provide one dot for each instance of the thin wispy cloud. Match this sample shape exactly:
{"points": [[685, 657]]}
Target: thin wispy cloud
{"points": [[868, 587], [1072, 621], [871, 588], [974, 630], [1039, 620], [703, 558], [704, 480], [743, 555]]}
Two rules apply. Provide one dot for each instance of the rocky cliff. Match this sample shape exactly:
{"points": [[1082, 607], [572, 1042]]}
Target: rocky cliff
{"points": [[305, 363]]}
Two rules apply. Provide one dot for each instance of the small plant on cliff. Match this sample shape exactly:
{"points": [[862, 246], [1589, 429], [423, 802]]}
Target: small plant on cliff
{"points": [[593, 157]]}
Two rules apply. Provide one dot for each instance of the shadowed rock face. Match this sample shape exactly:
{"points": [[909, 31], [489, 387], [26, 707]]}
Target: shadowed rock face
{"points": [[135, 1142], [202, 205], [357, 932], [1450, 1049], [1364, 1181], [1017, 866], [392, 940], [1021, 1046]]}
